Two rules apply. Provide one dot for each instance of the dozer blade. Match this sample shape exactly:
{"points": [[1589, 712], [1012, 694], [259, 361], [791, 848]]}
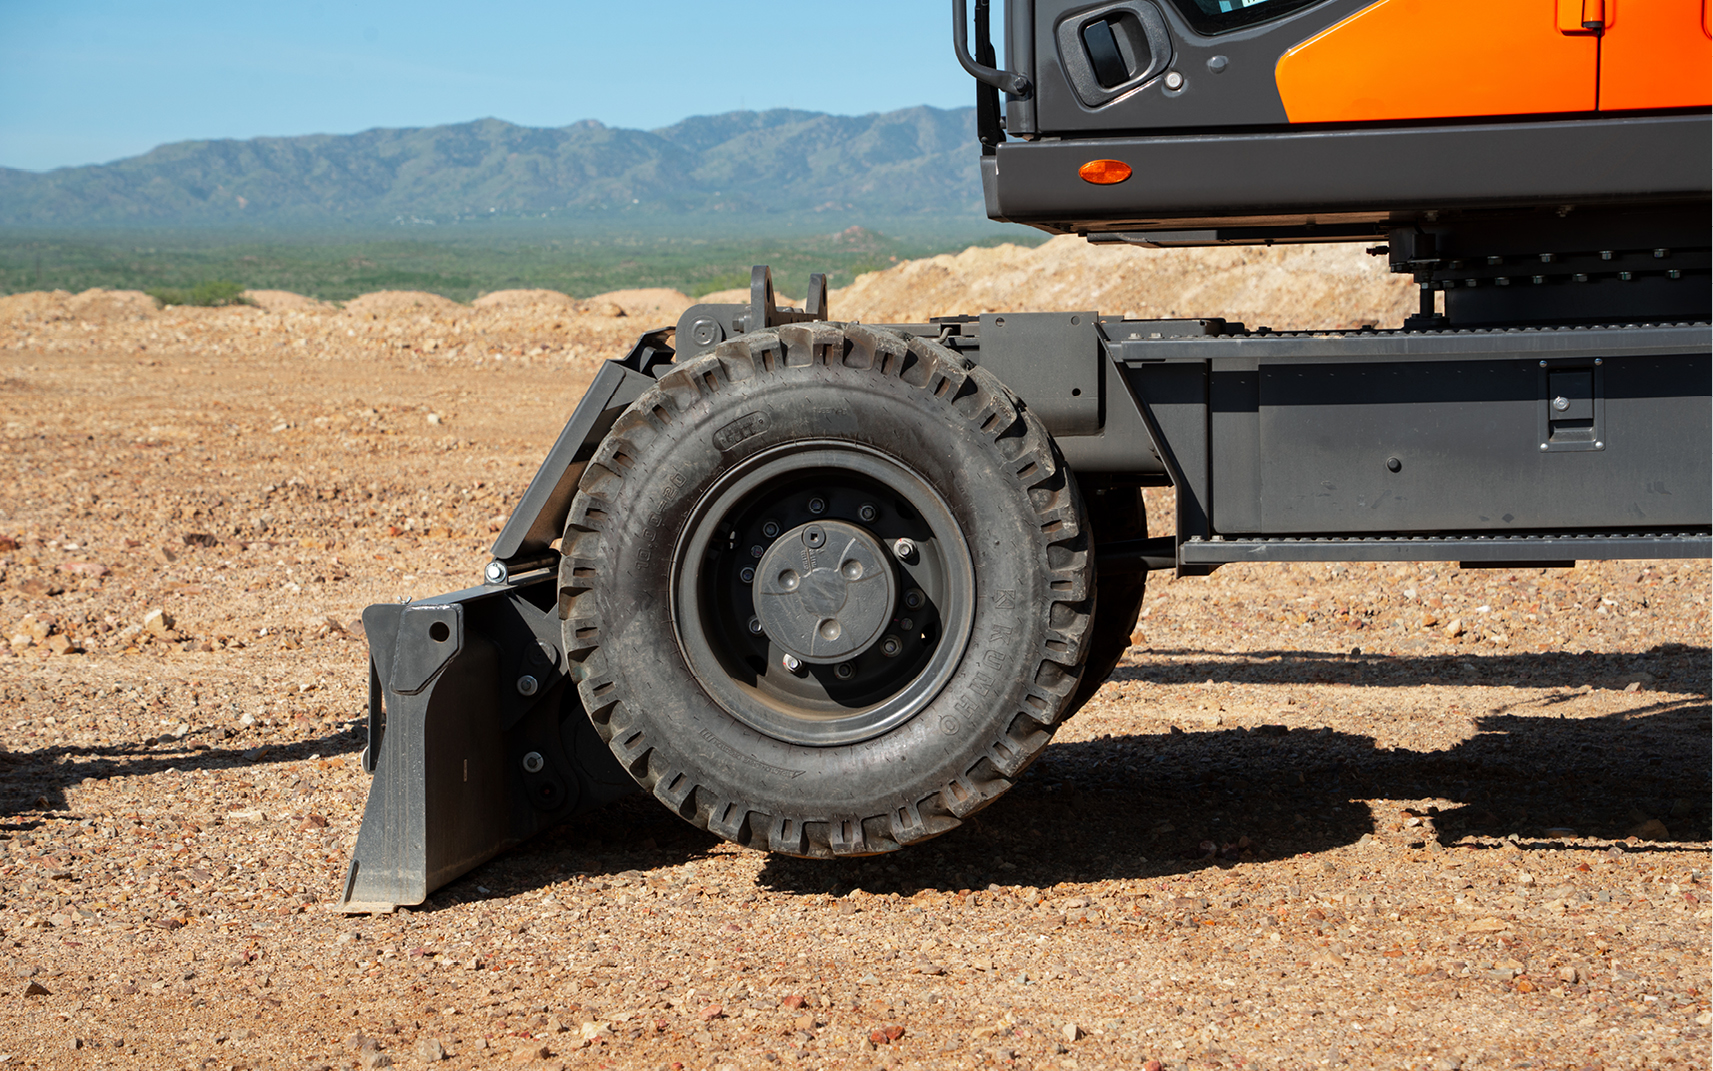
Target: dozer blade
{"points": [[477, 739]]}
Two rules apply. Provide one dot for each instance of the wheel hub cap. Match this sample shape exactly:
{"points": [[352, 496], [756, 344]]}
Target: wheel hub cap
{"points": [[824, 591]]}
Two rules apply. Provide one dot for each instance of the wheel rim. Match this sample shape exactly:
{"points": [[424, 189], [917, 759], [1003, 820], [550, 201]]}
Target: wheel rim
{"points": [[853, 643]]}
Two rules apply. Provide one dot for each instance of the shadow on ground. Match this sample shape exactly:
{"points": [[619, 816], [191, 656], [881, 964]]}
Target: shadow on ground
{"points": [[37, 780], [1152, 805]]}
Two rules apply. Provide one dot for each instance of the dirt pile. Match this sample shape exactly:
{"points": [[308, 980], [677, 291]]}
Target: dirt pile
{"points": [[1284, 287], [95, 306]]}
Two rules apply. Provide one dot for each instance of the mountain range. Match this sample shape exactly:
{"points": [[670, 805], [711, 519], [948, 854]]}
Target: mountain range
{"points": [[920, 162]]}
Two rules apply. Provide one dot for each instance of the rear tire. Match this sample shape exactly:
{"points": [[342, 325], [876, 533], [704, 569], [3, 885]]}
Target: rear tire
{"points": [[1115, 514], [925, 681]]}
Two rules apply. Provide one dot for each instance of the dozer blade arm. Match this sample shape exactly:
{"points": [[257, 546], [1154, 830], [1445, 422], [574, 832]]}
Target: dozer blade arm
{"points": [[540, 515]]}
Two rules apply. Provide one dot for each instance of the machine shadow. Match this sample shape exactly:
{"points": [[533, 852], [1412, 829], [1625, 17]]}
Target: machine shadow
{"points": [[1672, 667], [1154, 805], [1162, 805], [37, 780]]}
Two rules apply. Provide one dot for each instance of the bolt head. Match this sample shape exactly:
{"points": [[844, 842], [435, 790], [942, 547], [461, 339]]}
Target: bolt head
{"points": [[534, 763], [746, 574], [904, 548], [867, 511], [844, 671], [770, 528], [1174, 80], [1561, 403], [817, 506], [527, 685], [914, 598], [791, 663], [755, 626], [890, 646], [495, 572]]}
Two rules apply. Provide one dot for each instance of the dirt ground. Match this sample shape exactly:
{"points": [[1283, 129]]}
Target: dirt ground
{"points": [[1395, 817]]}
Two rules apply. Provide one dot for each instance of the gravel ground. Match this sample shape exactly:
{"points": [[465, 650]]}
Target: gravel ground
{"points": [[1348, 816]]}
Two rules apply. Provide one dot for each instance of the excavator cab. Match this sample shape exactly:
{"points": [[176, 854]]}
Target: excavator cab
{"points": [[1530, 162]]}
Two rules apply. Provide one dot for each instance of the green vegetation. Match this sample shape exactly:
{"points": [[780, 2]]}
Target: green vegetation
{"points": [[175, 264], [210, 293]]}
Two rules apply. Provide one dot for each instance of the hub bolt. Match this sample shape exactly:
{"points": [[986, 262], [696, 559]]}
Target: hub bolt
{"points": [[534, 763], [526, 685], [904, 548], [755, 626], [757, 551], [891, 646], [770, 528], [844, 671], [867, 511], [914, 598], [791, 663], [817, 506], [746, 574]]}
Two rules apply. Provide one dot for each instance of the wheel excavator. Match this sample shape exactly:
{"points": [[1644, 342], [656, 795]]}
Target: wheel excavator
{"points": [[829, 588]]}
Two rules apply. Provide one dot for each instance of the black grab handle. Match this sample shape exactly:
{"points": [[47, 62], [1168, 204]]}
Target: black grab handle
{"points": [[1007, 81]]}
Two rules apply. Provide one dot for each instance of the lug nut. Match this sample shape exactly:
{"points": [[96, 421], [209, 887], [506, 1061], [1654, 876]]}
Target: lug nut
{"points": [[770, 528], [844, 671], [746, 574], [534, 763], [755, 626], [526, 685], [790, 663], [817, 506], [891, 646], [867, 511], [914, 598], [905, 549]]}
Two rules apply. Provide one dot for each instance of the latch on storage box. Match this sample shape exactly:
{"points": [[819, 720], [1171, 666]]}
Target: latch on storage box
{"points": [[1572, 405]]}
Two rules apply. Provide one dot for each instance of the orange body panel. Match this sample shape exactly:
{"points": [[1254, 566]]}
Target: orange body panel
{"points": [[1428, 59], [1655, 54]]}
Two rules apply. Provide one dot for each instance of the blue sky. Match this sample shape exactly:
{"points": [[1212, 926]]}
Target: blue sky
{"points": [[93, 81]]}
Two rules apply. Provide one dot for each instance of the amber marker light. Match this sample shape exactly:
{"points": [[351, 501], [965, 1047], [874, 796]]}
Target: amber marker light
{"points": [[1104, 172]]}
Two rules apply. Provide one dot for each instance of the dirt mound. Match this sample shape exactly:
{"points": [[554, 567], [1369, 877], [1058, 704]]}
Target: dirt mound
{"points": [[655, 304], [285, 301], [389, 302], [92, 306], [524, 299], [1287, 287]]}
